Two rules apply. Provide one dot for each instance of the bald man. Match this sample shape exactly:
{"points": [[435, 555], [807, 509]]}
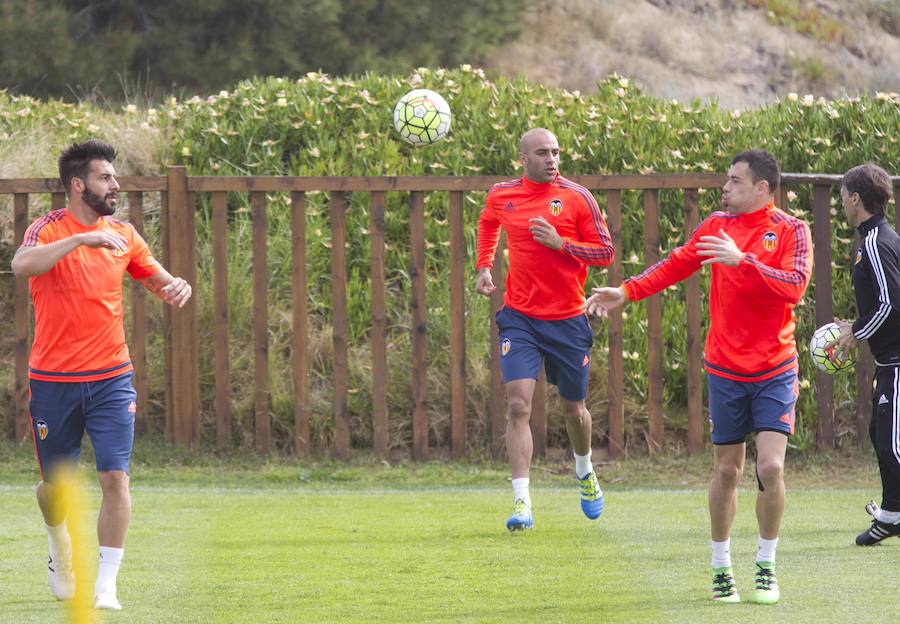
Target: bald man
{"points": [[554, 231]]}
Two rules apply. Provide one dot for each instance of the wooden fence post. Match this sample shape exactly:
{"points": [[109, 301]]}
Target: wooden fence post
{"points": [[654, 327], [616, 381], [20, 224], [220, 319], [498, 397], [138, 343], [824, 311], [457, 326], [184, 370], [262, 426], [419, 326], [300, 337], [694, 336], [380, 428], [339, 323]]}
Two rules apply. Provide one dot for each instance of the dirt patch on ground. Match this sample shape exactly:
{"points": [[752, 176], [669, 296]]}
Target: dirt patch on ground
{"points": [[686, 49]]}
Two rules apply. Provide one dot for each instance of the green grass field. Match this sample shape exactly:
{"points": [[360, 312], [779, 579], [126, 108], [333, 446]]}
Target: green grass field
{"points": [[366, 542]]}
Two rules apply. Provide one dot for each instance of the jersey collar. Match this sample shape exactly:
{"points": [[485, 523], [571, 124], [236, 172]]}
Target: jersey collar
{"points": [[871, 223], [537, 187], [758, 216]]}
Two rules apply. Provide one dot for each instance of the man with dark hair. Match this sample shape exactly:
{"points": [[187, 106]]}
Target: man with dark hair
{"points": [[761, 264], [80, 371], [865, 192], [554, 230]]}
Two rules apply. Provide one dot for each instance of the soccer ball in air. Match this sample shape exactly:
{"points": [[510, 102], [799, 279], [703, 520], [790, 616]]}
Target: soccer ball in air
{"points": [[422, 117], [826, 358]]}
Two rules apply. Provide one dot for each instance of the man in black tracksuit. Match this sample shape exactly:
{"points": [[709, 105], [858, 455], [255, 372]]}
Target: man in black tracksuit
{"points": [[865, 192]]}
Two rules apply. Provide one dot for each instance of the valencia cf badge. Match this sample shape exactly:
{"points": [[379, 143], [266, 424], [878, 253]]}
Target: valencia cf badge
{"points": [[769, 240], [504, 346], [42, 429], [858, 256], [118, 253], [556, 207]]}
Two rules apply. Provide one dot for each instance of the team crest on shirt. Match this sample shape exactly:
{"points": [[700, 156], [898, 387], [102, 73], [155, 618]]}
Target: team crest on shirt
{"points": [[858, 256], [556, 207], [42, 429], [770, 240], [118, 253], [505, 346]]}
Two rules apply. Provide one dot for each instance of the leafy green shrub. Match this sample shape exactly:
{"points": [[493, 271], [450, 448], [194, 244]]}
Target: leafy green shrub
{"points": [[320, 125]]}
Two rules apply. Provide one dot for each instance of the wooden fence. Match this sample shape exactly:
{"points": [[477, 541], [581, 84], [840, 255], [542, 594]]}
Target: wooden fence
{"points": [[179, 238]]}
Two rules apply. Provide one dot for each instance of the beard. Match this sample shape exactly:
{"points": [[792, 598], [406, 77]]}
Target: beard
{"points": [[99, 204]]}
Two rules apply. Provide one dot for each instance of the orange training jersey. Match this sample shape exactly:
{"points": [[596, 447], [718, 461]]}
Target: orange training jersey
{"points": [[544, 283], [78, 332], [751, 306]]}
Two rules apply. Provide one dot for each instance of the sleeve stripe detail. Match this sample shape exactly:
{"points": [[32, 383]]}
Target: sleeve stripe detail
{"points": [[587, 253], [801, 251], [797, 225], [788, 277], [509, 184], [595, 214], [877, 320], [797, 276], [649, 270], [34, 230], [884, 308]]}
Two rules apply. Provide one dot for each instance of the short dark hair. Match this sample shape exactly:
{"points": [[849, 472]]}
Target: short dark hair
{"points": [[763, 166], [75, 162], [873, 185]]}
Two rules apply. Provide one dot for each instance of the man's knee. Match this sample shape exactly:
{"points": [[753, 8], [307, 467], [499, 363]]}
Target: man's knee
{"points": [[114, 484], [576, 410], [728, 473], [518, 408], [769, 470]]}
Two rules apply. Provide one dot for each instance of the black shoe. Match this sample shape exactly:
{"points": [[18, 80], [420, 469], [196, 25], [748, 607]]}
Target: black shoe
{"points": [[878, 532]]}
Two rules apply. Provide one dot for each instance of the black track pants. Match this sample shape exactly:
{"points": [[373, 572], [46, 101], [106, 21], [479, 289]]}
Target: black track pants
{"points": [[884, 431]]}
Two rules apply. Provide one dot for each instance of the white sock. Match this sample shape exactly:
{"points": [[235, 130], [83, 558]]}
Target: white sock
{"points": [[58, 538], [583, 465], [721, 554], [888, 517], [766, 549], [520, 490], [110, 560]]}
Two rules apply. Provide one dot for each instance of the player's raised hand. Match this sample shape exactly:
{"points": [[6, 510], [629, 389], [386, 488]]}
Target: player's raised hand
{"points": [[176, 292], [602, 300], [485, 283], [543, 232], [106, 239], [720, 248]]}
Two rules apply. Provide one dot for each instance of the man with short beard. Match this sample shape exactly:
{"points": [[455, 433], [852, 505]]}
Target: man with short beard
{"points": [[761, 262], [80, 370]]}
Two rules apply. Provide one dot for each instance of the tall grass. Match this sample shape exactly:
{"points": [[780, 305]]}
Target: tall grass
{"points": [[321, 125]]}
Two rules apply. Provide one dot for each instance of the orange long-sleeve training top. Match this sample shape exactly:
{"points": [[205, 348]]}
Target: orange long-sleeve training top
{"points": [[751, 306], [544, 283]]}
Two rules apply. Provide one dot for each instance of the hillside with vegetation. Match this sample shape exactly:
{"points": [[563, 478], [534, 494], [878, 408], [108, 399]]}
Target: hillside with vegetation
{"points": [[743, 52]]}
